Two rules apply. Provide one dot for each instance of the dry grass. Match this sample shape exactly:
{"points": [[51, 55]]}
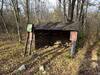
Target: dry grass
{"points": [[56, 60]]}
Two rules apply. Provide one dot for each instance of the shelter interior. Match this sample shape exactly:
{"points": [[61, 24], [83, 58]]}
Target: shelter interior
{"points": [[50, 37]]}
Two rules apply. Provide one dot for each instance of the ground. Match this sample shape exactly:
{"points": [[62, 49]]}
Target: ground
{"points": [[55, 60]]}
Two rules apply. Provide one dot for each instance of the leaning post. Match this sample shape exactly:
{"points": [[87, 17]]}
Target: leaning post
{"points": [[30, 37]]}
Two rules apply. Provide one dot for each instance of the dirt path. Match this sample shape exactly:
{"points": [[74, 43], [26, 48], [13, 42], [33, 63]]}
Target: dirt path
{"points": [[90, 64]]}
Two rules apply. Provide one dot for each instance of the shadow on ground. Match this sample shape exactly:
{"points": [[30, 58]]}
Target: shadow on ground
{"points": [[90, 64], [42, 58]]}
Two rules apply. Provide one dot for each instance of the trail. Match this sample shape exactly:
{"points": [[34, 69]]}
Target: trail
{"points": [[90, 64]]}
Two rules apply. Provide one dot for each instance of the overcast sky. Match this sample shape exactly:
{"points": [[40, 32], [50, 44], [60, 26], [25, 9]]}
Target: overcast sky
{"points": [[92, 8], [53, 2]]}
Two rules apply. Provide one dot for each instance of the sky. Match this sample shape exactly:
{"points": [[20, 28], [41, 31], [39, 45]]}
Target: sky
{"points": [[53, 2], [91, 9], [94, 8]]}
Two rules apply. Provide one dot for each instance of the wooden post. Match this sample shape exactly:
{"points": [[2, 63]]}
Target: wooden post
{"points": [[33, 39], [26, 44], [30, 38], [73, 38], [30, 43]]}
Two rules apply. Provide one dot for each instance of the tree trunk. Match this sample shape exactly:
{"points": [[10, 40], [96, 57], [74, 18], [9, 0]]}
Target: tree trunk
{"points": [[3, 20], [71, 10], [81, 10], [64, 5], [27, 11], [16, 13], [77, 9]]}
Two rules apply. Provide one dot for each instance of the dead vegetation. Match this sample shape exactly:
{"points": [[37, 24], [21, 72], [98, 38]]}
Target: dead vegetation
{"points": [[55, 60], [49, 60]]}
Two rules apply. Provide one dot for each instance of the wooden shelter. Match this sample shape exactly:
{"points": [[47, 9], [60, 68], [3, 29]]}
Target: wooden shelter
{"points": [[48, 34]]}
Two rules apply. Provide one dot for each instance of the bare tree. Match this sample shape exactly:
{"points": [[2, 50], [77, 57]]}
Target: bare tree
{"points": [[71, 7], [65, 15], [81, 10], [27, 11], [77, 9], [1, 14], [16, 15], [60, 3]]}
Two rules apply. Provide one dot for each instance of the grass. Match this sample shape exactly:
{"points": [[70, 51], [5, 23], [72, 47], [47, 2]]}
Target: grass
{"points": [[56, 61], [98, 53]]}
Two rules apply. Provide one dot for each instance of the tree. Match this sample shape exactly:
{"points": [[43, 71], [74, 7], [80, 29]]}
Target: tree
{"points": [[27, 11], [65, 15], [71, 7], [1, 14], [16, 15]]}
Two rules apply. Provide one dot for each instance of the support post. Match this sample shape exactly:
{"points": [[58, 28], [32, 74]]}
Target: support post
{"points": [[30, 43], [26, 44], [33, 39], [30, 38], [73, 38]]}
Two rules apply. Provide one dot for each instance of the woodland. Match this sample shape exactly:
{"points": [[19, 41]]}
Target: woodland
{"points": [[15, 15]]}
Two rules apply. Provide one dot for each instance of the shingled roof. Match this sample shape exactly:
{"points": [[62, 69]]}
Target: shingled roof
{"points": [[58, 26]]}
